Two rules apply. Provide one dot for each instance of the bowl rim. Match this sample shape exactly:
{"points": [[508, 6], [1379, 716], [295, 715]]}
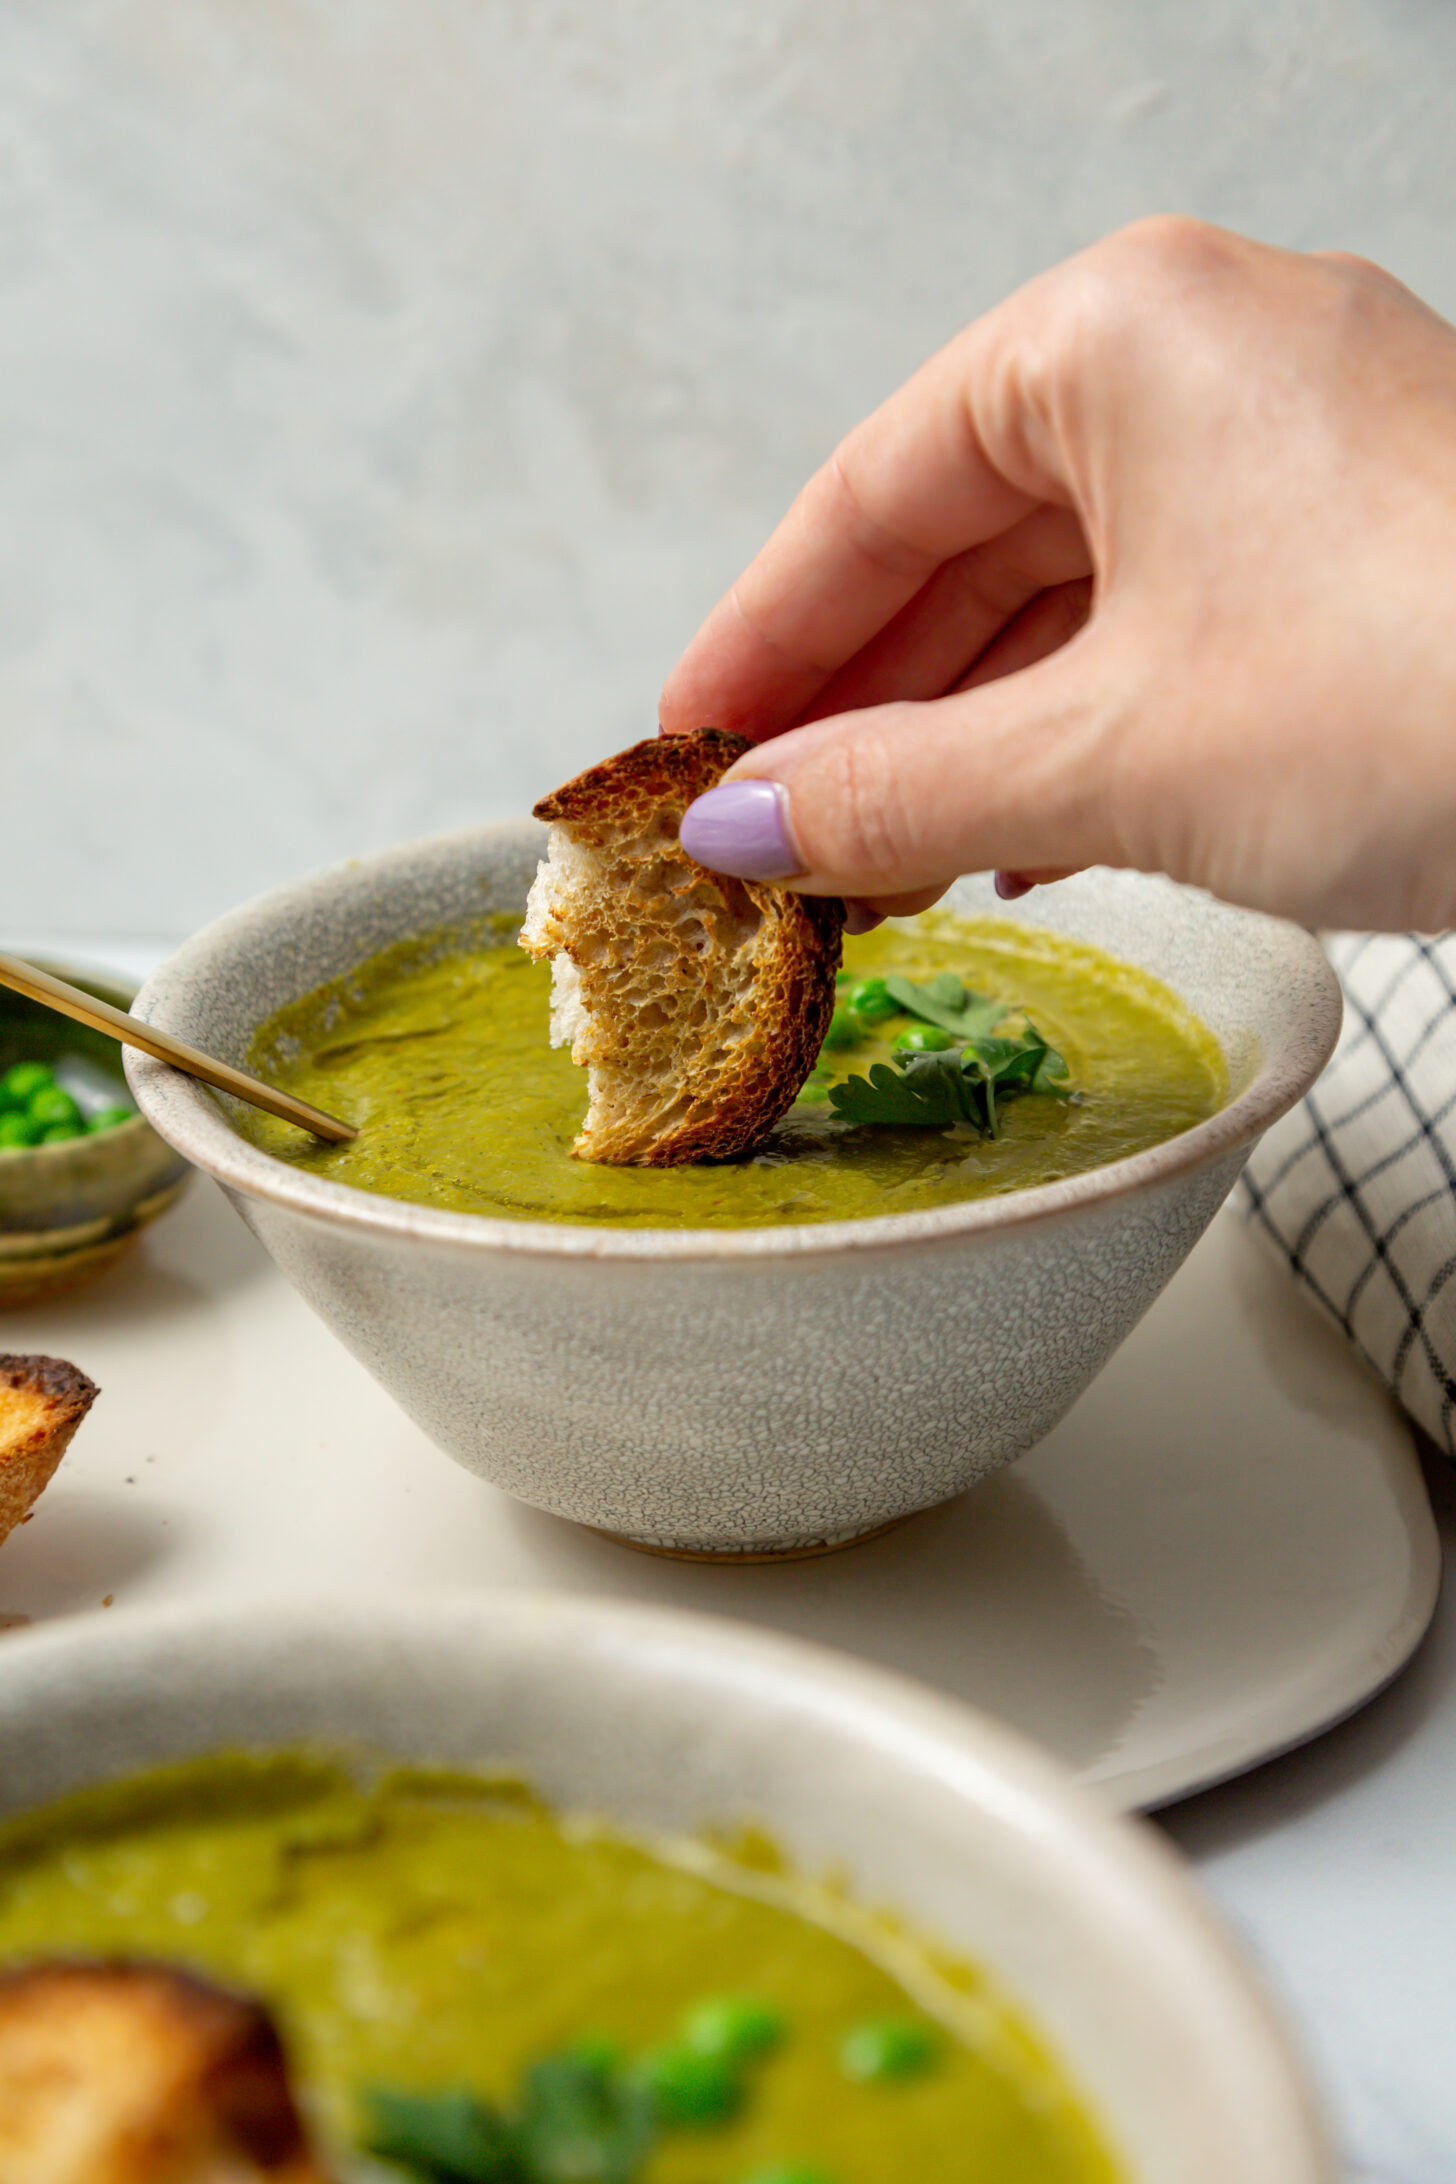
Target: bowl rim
{"points": [[1141, 1886], [192, 1119]]}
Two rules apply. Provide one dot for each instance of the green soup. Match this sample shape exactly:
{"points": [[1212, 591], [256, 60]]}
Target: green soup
{"points": [[442, 1060], [432, 1932]]}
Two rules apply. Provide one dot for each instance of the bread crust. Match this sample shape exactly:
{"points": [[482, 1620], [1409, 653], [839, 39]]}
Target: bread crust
{"points": [[664, 773], [700, 1001], [140, 2073], [42, 1402]]}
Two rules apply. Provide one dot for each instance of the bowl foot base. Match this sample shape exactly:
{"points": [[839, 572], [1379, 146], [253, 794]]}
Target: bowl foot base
{"points": [[35, 1280], [794, 1550]]}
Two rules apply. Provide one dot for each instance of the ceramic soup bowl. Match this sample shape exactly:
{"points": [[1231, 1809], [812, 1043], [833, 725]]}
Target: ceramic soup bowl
{"points": [[666, 1723], [749, 1391]]}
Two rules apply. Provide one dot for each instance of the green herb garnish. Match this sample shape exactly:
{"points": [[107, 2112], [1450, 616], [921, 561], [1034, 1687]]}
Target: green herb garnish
{"points": [[580, 2117], [945, 1001], [949, 1066], [450, 2137], [576, 2122], [590, 2116], [929, 1090], [941, 1001], [582, 2123]]}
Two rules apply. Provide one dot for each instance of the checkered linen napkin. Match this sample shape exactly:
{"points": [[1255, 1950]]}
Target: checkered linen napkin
{"points": [[1357, 1187]]}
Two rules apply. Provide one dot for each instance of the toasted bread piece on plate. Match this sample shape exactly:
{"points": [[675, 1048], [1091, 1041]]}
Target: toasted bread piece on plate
{"points": [[42, 1401], [696, 1003], [140, 2074]]}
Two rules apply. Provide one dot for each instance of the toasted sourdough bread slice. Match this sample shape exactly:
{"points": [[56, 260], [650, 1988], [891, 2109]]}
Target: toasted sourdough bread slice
{"points": [[697, 1003], [42, 1401], [140, 2074]]}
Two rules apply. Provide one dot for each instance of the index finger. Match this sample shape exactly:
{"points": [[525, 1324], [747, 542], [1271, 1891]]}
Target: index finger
{"points": [[909, 488]]}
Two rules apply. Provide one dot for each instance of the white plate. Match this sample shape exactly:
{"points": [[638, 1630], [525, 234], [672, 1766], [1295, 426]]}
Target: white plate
{"points": [[1224, 1547]]}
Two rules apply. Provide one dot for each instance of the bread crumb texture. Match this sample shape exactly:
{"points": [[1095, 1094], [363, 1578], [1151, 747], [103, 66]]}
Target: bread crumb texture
{"points": [[42, 1402], [696, 1003]]}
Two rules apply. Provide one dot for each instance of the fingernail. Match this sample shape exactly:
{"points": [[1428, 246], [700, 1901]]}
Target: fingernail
{"points": [[1010, 886], [743, 828], [859, 918]]}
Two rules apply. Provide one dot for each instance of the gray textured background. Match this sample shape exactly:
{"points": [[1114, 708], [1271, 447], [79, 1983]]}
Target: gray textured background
{"points": [[388, 386]]}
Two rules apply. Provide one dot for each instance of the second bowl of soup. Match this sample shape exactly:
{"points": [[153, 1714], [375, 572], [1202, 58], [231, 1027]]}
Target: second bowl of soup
{"points": [[771, 1355], [734, 1909]]}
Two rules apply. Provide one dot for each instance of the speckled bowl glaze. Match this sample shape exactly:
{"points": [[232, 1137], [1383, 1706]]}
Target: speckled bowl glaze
{"points": [[69, 1211], [668, 1723], [749, 1391]]}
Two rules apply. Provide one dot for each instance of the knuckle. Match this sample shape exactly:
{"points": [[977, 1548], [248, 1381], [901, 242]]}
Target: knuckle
{"points": [[1352, 262], [1145, 268], [1359, 276], [1173, 239], [1356, 299], [1072, 339]]}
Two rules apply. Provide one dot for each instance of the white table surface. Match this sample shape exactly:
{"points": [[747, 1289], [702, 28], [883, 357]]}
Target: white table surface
{"points": [[1336, 1864]]}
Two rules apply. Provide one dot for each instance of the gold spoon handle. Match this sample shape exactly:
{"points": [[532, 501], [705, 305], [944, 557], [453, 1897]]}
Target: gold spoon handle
{"points": [[38, 985]]}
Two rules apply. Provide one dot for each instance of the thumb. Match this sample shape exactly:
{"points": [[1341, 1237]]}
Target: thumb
{"points": [[896, 800]]}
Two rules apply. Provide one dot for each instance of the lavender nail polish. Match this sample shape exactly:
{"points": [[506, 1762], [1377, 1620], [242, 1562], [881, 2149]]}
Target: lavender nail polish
{"points": [[743, 828]]}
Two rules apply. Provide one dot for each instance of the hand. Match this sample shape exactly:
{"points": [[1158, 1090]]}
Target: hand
{"points": [[1153, 566]]}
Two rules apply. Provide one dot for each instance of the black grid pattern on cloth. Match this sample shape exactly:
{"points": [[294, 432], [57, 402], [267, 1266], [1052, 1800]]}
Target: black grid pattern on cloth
{"points": [[1357, 1187]]}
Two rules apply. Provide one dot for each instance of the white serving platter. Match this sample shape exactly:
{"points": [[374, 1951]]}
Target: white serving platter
{"points": [[1224, 1547]]}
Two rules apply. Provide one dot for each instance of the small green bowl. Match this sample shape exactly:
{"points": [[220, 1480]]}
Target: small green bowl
{"points": [[69, 1210]]}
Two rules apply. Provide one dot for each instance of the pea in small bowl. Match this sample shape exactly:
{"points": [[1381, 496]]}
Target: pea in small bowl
{"points": [[70, 1207]]}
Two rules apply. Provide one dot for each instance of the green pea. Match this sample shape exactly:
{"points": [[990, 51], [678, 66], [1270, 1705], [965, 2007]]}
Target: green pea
{"points": [[60, 1133], [689, 2090], [872, 1000], [22, 1080], [18, 1130], [107, 1118], [845, 1029], [889, 2047], [923, 1039], [735, 2025], [50, 1104]]}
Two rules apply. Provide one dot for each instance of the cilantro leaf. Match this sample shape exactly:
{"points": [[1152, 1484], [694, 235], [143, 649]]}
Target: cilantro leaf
{"points": [[580, 2124], [972, 1086], [1048, 1072], [577, 2121], [450, 2137], [943, 1000], [911, 1093]]}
